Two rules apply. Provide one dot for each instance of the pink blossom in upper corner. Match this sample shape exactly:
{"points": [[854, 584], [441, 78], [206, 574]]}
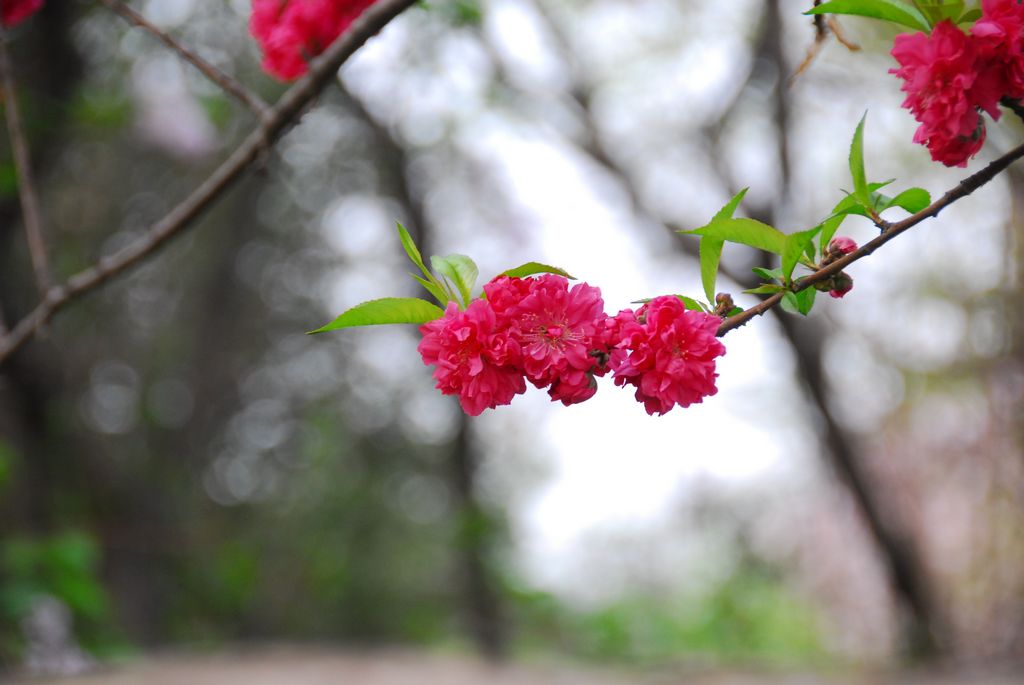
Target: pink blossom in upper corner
{"points": [[945, 88], [668, 353], [841, 245], [999, 35], [16, 11], [841, 284], [474, 358], [556, 329], [291, 32]]}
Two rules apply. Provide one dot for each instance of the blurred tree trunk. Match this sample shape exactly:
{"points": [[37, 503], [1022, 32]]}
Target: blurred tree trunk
{"points": [[478, 588], [896, 547], [30, 382], [770, 69]]}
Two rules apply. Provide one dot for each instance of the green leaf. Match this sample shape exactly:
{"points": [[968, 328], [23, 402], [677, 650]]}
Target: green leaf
{"points": [[789, 303], [913, 200], [731, 206], [710, 255], [692, 304], [828, 230], [796, 246], [805, 300], [848, 205], [434, 289], [460, 270], [531, 268], [711, 248], [860, 181], [746, 231], [410, 249], [734, 311], [969, 16], [384, 311], [768, 274], [430, 282], [938, 10], [889, 10], [765, 289]]}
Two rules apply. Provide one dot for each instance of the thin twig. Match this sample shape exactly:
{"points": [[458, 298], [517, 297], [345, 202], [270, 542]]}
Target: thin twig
{"points": [[965, 188], [226, 82], [282, 115], [30, 211]]}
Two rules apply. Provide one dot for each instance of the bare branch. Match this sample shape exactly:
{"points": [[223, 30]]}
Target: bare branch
{"points": [[30, 211], [322, 71], [965, 188], [226, 82]]}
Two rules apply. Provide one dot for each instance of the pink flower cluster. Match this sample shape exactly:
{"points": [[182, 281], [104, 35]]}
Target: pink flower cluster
{"points": [[16, 11], [291, 32], [950, 77], [556, 337]]}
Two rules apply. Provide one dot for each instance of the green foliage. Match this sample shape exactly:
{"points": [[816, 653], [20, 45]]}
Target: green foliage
{"points": [[799, 246], [340, 558], [724, 228], [461, 12], [710, 255], [828, 230], [429, 280], [749, 616], [692, 304], [912, 200], [6, 459], [801, 302], [939, 10], [857, 172], [218, 110], [384, 311], [101, 111], [765, 289], [533, 268], [889, 10], [453, 279], [64, 566], [459, 271], [970, 16], [8, 179], [748, 232]]}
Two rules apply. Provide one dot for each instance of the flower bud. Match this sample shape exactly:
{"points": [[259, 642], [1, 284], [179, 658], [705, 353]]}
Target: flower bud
{"points": [[723, 304], [840, 284], [841, 245]]}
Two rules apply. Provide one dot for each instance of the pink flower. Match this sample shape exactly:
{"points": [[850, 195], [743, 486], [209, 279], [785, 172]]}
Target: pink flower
{"points": [[999, 35], [669, 353], [841, 245], [556, 329], [16, 11], [474, 358], [944, 91], [291, 32]]}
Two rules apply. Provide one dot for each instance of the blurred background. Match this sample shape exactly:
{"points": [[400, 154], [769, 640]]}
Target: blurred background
{"points": [[182, 468]]}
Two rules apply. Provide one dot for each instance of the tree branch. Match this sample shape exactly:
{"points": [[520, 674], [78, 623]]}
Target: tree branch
{"points": [[322, 70], [965, 188], [226, 82], [30, 211]]}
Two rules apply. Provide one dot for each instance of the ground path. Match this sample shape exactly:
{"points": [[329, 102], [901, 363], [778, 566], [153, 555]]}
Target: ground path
{"points": [[303, 666]]}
